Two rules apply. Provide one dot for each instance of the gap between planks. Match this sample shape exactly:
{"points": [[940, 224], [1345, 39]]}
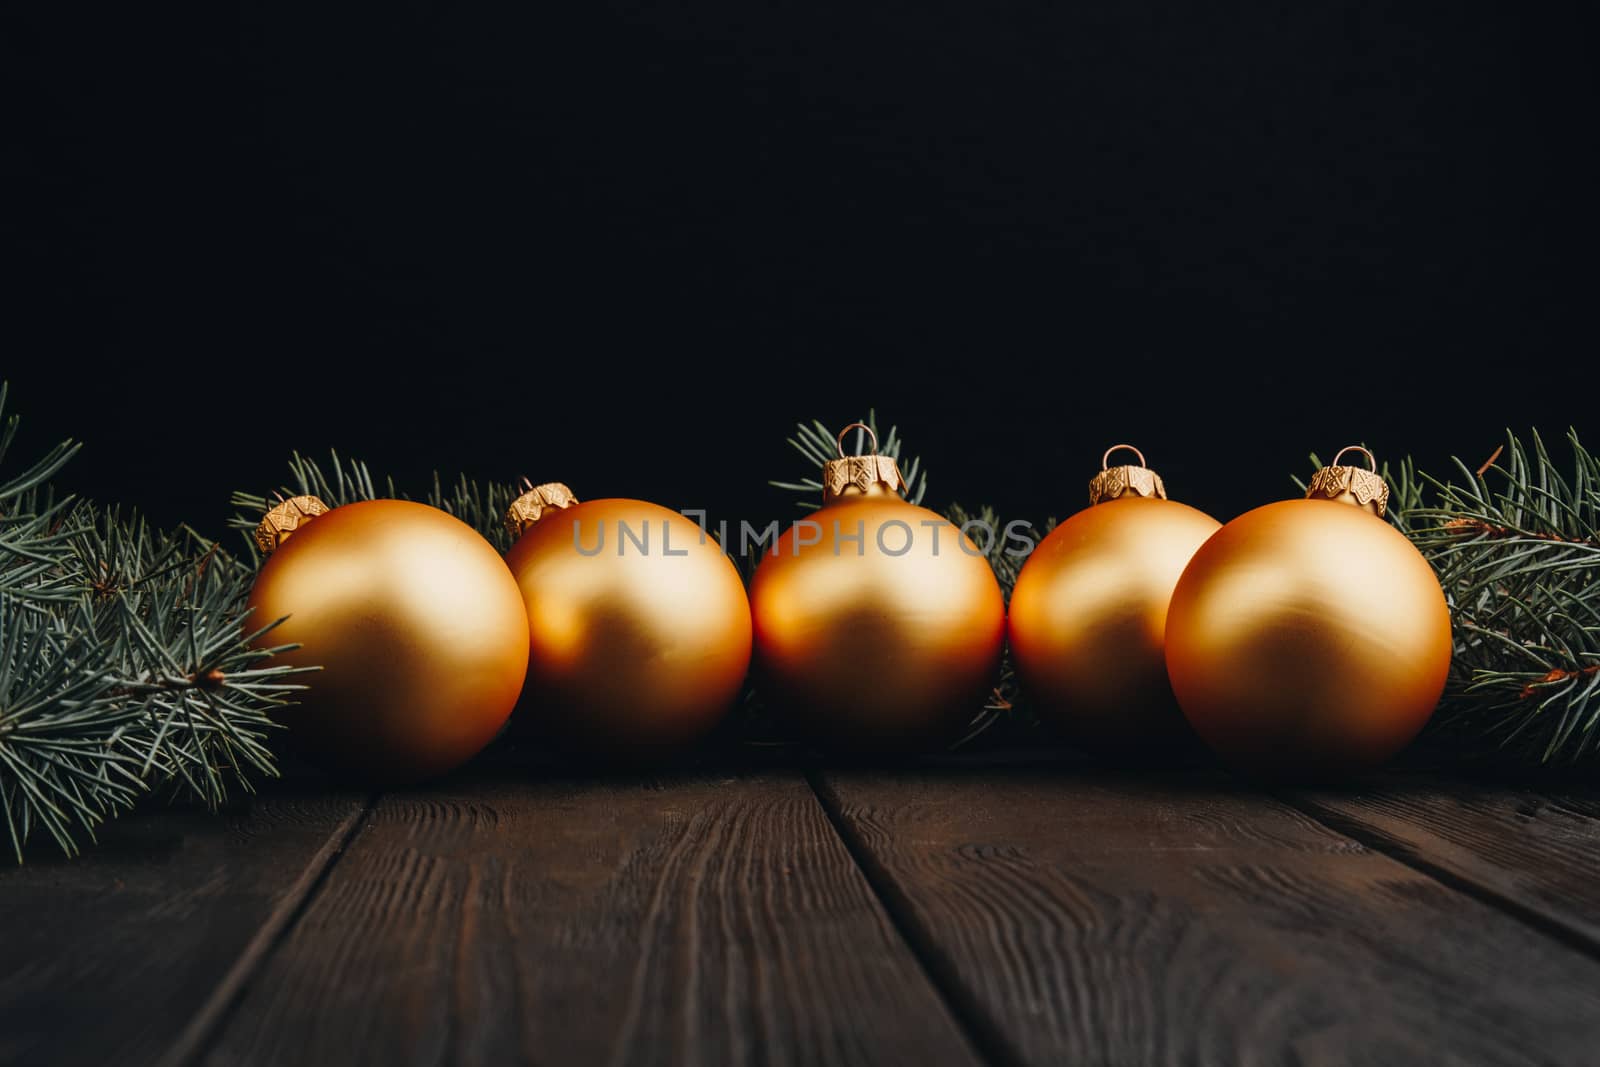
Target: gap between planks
{"points": [[1547, 923], [980, 1031], [990, 1039], [195, 1039]]}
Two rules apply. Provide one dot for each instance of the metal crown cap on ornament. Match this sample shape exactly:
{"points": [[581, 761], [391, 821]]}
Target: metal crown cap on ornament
{"points": [[869, 475], [1351, 485], [284, 518], [534, 504], [1128, 480]]}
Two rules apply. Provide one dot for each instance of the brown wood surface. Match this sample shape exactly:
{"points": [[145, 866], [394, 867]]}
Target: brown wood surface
{"points": [[505, 919], [112, 957], [1127, 919], [1533, 853], [993, 912]]}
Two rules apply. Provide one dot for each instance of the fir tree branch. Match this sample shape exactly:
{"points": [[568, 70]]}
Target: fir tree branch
{"points": [[126, 665], [819, 445], [32, 539], [481, 505], [1515, 542]]}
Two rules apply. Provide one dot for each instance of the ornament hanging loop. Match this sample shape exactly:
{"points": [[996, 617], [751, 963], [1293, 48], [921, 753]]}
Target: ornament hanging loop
{"points": [[1106, 459], [862, 475], [1372, 461], [1127, 480], [839, 440], [1362, 486]]}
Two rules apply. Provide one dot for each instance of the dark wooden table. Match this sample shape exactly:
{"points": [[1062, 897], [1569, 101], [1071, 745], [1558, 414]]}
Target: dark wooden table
{"points": [[967, 912]]}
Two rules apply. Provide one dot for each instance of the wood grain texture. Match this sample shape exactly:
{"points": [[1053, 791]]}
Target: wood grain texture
{"points": [[1126, 919], [111, 956], [504, 920], [1534, 852]]}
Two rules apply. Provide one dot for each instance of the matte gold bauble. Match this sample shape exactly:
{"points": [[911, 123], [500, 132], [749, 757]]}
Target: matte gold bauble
{"points": [[638, 622], [1308, 638], [1089, 614], [878, 624], [416, 625]]}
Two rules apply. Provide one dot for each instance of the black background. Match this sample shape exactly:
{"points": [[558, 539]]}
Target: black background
{"points": [[629, 245]]}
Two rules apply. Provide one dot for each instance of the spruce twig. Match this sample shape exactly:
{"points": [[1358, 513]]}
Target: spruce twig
{"points": [[481, 505], [1516, 544], [1515, 541], [126, 663], [818, 445]]}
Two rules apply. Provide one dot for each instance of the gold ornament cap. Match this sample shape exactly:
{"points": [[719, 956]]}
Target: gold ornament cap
{"points": [[284, 518], [533, 505], [1126, 480], [869, 475], [1362, 487]]}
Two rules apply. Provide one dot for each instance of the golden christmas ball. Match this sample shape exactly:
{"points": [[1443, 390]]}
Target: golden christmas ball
{"points": [[878, 624], [1309, 639], [415, 622], [638, 622], [1089, 613]]}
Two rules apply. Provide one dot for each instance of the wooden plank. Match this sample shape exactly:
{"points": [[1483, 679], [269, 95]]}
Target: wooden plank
{"points": [[110, 957], [1127, 919], [506, 919], [1535, 854]]}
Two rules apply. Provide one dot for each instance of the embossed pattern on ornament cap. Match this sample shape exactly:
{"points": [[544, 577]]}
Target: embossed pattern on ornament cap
{"points": [[1125, 481], [1366, 488], [284, 519], [531, 506], [868, 475]]}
